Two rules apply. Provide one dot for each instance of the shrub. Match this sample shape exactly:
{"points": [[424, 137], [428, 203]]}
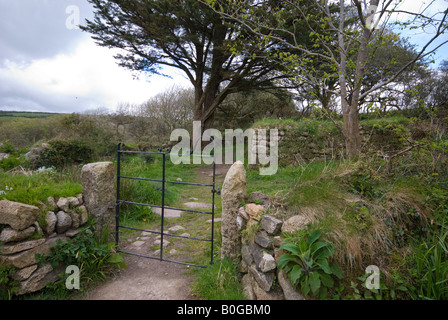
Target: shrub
{"points": [[65, 152], [7, 147], [10, 163]]}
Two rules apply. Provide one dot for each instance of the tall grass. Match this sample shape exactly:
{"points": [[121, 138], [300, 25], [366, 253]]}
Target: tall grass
{"points": [[432, 268], [218, 282], [35, 188]]}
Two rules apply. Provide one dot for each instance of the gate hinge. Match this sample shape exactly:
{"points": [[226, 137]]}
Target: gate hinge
{"points": [[218, 192]]}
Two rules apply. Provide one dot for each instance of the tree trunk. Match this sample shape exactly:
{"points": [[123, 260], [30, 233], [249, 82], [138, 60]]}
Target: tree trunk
{"points": [[350, 110], [354, 137], [205, 103]]}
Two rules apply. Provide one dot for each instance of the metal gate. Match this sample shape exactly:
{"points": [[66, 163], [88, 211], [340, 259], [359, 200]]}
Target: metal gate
{"points": [[162, 207]]}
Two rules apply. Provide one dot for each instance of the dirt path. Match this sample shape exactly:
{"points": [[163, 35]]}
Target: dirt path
{"points": [[146, 279], [149, 279]]}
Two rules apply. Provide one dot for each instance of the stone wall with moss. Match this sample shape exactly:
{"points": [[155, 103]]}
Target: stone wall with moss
{"points": [[27, 231], [317, 140]]}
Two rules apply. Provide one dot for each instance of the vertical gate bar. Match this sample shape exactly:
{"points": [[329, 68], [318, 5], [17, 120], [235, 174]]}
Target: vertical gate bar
{"points": [[163, 206], [117, 204], [213, 202]]}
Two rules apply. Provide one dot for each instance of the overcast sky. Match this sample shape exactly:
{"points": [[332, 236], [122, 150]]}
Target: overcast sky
{"points": [[46, 65]]}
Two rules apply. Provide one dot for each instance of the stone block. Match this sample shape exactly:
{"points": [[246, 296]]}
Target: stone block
{"points": [[233, 192], [27, 258], [50, 222], [10, 235], [254, 210], [18, 215], [267, 263], [295, 223], [246, 254], [63, 204], [248, 291], [264, 279], [73, 202], [84, 215], [264, 240], [288, 290], [99, 195], [20, 246], [38, 280], [64, 222], [271, 225], [51, 204]]}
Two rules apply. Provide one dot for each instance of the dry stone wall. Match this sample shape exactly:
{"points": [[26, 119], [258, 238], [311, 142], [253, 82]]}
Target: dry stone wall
{"points": [[297, 145], [307, 140], [261, 237], [27, 230], [255, 239], [30, 230]]}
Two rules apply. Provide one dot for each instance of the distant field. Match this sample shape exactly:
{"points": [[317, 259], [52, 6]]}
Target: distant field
{"points": [[25, 114]]}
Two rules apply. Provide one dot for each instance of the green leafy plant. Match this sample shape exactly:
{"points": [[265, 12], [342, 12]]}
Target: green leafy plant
{"points": [[383, 292], [307, 265], [93, 258], [8, 286]]}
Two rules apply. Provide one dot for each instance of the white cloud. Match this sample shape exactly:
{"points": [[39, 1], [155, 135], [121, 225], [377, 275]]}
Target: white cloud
{"points": [[89, 77]]}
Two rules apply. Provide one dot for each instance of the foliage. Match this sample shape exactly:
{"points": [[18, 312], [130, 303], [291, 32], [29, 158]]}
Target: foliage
{"points": [[8, 286], [10, 163], [31, 189], [94, 259], [307, 265], [148, 192], [432, 268], [65, 152], [360, 75], [189, 36], [361, 292], [25, 114], [24, 132], [240, 110], [218, 282], [7, 147]]}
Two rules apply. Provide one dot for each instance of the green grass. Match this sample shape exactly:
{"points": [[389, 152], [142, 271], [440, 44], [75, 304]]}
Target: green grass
{"points": [[142, 217], [366, 213], [37, 187], [384, 121], [218, 282], [303, 185], [17, 114], [149, 192]]}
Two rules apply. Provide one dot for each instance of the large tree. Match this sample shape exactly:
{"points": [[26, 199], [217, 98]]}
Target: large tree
{"points": [[345, 41], [190, 36]]}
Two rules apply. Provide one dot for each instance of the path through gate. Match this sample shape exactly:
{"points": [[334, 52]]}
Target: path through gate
{"points": [[164, 182]]}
